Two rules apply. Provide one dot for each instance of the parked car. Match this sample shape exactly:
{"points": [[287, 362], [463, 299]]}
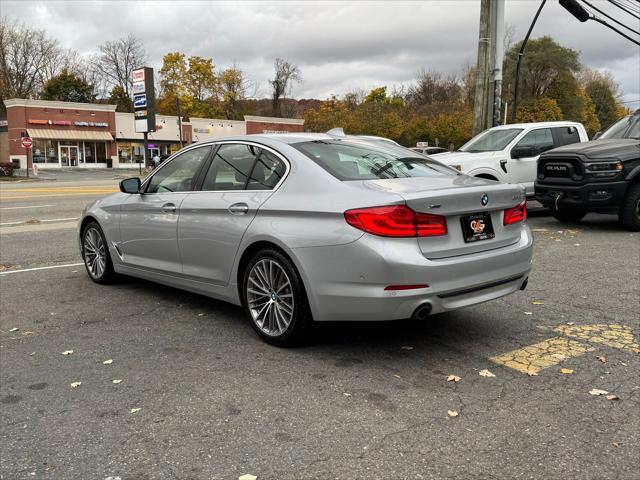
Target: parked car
{"points": [[601, 176], [509, 153], [429, 150], [302, 227]]}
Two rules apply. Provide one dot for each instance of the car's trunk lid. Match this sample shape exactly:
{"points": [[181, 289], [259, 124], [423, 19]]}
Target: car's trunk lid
{"points": [[457, 198]]}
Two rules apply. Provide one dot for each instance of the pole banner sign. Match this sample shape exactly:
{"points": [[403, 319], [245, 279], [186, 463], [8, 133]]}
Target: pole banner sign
{"points": [[144, 102]]}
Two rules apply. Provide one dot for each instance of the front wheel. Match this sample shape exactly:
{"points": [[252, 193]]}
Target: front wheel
{"points": [[630, 209], [275, 300], [570, 215], [95, 253]]}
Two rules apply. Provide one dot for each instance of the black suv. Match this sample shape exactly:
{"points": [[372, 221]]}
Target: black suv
{"points": [[600, 176]]}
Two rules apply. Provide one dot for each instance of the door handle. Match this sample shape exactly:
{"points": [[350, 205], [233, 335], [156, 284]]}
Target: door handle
{"points": [[168, 208], [238, 208]]}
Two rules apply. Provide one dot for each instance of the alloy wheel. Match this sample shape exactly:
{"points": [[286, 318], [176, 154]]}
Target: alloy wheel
{"points": [[95, 256], [270, 297]]}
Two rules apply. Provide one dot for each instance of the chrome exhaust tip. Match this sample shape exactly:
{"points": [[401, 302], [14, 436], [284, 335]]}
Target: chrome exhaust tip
{"points": [[422, 312]]}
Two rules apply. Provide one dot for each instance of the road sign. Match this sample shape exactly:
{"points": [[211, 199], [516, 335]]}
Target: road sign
{"points": [[27, 142]]}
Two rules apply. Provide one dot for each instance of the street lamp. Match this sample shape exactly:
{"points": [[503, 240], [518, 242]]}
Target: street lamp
{"points": [[575, 9]]}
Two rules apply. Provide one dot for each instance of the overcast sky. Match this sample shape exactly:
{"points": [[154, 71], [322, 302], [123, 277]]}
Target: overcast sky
{"points": [[338, 46]]}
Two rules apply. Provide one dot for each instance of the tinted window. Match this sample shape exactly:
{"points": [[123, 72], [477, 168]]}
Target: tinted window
{"points": [[231, 167], [491, 140], [353, 161], [566, 135], [177, 175], [267, 172], [539, 141], [627, 127]]}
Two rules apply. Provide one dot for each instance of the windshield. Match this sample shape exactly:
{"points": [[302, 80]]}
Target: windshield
{"points": [[491, 140], [627, 127], [354, 161]]}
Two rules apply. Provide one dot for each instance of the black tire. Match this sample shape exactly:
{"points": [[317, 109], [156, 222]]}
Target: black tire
{"points": [[90, 232], [299, 320], [629, 214], [570, 215]]}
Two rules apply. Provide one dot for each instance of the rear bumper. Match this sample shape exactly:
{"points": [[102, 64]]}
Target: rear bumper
{"points": [[594, 197], [347, 282]]}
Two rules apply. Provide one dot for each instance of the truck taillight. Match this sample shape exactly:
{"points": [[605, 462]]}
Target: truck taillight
{"points": [[516, 214], [396, 221]]}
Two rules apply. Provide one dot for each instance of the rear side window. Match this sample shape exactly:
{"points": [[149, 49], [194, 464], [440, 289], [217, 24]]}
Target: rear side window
{"points": [[231, 167], [359, 161], [267, 172], [539, 141], [179, 173], [566, 135]]}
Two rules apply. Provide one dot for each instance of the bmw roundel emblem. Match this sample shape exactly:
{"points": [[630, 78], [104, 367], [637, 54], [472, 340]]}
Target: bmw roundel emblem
{"points": [[484, 200]]}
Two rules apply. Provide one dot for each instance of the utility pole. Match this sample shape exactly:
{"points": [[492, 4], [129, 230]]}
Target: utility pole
{"points": [[179, 118], [497, 57], [482, 69]]}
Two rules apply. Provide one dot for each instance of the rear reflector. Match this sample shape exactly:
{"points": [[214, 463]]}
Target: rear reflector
{"points": [[516, 214], [405, 287], [396, 221]]}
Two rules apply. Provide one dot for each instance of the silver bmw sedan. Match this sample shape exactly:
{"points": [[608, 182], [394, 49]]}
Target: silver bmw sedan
{"points": [[313, 227]]}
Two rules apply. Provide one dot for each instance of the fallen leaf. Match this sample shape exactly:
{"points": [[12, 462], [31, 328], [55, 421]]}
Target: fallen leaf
{"points": [[613, 397], [571, 323], [107, 362], [75, 384], [346, 394], [116, 381], [453, 378], [406, 347], [485, 373], [576, 244], [67, 352], [532, 374], [538, 302], [14, 329], [597, 391], [247, 476], [201, 314], [452, 413], [602, 358], [616, 444], [566, 371], [528, 313], [397, 376], [135, 410]]}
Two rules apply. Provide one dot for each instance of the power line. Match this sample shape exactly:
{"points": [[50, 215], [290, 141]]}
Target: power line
{"points": [[611, 18], [615, 30], [615, 2]]}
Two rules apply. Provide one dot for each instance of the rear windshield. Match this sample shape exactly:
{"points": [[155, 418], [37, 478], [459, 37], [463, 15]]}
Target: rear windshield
{"points": [[347, 160], [491, 140], [627, 127]]}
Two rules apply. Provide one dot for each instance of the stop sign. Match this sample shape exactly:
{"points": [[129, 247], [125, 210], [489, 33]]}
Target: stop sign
{"points": [[27, 142]]}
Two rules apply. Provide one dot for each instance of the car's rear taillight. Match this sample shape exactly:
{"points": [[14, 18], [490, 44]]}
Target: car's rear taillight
{"points": [[396, 221], [516, 214]]}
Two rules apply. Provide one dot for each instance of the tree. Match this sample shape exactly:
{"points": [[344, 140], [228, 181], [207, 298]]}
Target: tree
{"points": [[233, 90], [67, 87], [604, 92], [285, 75], [120, 98], [201, 79], [23, 56], [539, 110], [543, 62], [432, 87], [574, 102], [117, 60]]}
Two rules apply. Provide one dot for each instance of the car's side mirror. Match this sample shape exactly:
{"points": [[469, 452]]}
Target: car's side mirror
{"points": [[596, 135], [130, 185], [522, 152]]}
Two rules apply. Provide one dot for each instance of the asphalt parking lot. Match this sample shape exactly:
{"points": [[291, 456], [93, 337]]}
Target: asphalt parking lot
{"points": [[175, 385]]}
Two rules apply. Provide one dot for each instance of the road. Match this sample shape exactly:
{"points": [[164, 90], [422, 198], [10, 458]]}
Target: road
{"points": [[363, 400]]}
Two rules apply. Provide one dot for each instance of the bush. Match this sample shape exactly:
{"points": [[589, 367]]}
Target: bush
{"points": [[6, 169]]}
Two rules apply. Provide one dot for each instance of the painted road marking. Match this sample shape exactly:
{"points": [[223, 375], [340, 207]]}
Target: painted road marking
{"points": [[63, 189], [29, 206], [35, 269], [534, 358], [23, 222], [50, 195], [616, 336]]}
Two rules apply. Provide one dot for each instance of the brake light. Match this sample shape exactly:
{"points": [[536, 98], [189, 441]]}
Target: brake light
{"points": [[516, 214], [396, 221]]}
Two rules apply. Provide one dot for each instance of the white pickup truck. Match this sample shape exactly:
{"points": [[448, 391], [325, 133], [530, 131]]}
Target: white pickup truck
{"points": [[509, 153]]}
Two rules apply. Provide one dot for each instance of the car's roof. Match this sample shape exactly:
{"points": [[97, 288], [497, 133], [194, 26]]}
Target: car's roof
{"points": [[537, 124], [295, 137]]}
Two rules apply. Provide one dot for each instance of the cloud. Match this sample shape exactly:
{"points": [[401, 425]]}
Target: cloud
{"points": [[338, 46]]}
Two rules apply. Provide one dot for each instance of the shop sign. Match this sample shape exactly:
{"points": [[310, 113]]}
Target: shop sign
{"points": [[138, 75], [140, 113], [62, 122], [151, 145], [39, 122], [91, 124], [201, 130], [4, 123], [138, 87], [140, 101], [275, 131]]}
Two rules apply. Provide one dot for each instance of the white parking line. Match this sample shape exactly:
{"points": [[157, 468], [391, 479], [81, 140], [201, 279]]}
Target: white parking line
{"points": [[30, 206], [41, 268], [21, 222]]}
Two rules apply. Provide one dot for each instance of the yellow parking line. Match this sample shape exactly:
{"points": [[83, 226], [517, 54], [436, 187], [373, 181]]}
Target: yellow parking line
{"points": [[616, 336], [542, 355]]}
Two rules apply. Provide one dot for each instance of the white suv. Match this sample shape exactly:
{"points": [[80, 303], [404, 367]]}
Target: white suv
{"points": [[509, 153]]}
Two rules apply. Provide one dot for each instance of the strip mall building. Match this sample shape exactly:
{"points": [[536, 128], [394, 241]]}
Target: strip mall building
{"points": [[91, 135]]}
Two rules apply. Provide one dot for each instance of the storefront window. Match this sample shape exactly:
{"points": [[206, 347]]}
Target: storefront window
{"points": [[89, 152], [45, 151], [101, 152]]}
